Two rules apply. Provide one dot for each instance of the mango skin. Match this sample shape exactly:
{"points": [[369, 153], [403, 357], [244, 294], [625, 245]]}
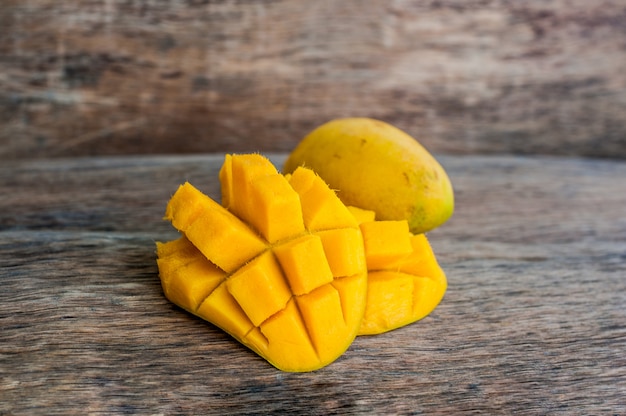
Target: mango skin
{"points": [[374, 165]]}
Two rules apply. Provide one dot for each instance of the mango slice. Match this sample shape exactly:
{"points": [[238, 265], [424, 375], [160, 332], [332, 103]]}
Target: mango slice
{"points": [[280, 264], [405, 281]]}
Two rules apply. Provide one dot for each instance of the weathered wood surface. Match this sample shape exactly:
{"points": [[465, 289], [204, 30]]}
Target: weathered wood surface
{"points": [[116, 77], [534, 321]]}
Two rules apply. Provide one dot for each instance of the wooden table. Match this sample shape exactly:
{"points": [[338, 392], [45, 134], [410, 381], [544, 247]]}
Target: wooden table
{"points": [[534, 320]]}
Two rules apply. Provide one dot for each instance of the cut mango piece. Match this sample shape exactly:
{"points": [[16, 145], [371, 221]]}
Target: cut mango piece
{"points": [[423, 261], [403, 291], [218, 234], [188, 277], [339, 246], [276, 246], [244, 171], [272, 197], [385, 242], [350, 289], [323, 316], [305, 264], [362, 215], [389, 300], [260, 279], [321, 207], [222, 309], [289, 343]]}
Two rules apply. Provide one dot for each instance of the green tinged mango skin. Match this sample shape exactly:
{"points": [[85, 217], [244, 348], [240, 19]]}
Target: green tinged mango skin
{"points": [[376, 166]]}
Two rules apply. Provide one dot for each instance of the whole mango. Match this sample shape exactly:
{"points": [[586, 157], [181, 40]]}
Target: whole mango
{"points": [[376, 166]]}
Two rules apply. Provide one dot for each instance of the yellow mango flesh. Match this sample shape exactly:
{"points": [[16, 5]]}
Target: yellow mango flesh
{"points": [[266, 266], [385, 242], [404, 284], [321, 208], [189, 276], [220, 235], [305, 264], [338, 243]]}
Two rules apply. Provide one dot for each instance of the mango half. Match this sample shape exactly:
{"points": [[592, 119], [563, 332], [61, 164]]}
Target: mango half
{"points": [[405, 281], [376, 166], [279, 265]]}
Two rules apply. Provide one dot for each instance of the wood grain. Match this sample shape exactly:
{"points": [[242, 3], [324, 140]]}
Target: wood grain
{"points": [[533, 322], [103, 77]]}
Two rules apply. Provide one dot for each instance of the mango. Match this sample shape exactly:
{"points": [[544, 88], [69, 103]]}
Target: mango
{"points": [[279, 265], [404, 280], [290, 271], [376, 166]]}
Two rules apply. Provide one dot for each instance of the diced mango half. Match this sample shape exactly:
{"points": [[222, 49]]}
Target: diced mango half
{"points": [[288, 270], [403, 291], [405, 281], [269, 263]]}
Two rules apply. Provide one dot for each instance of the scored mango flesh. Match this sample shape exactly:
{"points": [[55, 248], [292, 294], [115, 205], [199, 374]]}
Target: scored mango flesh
{"points": [[280, 264], [405, 282], [288, 270]]}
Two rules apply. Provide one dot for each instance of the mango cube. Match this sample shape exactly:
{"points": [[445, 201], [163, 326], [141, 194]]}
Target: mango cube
{"points": [[385, 242], [260, 279], [304, 263], [321, 207]]}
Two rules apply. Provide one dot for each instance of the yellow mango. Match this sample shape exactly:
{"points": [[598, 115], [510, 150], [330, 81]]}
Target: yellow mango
{"points": [[376, 166], [272, 255], [284, 341], [322, 313], [351, 288], [222, 309]]}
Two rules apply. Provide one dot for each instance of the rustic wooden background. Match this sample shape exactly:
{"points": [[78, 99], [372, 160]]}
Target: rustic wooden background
{"points": [[98, 77]]}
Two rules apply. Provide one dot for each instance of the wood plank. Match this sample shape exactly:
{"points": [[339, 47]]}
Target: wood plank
{"points": [[110, 77], [533, 321], [509, 199]]}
